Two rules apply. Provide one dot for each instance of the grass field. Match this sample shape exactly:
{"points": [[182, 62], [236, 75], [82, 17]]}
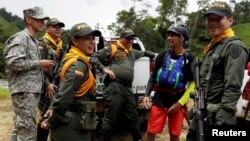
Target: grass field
{"points": [[6, 123]]}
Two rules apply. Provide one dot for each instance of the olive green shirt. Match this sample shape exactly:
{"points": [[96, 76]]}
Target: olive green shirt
{"points": [[121, 64], [224, 86], [66, 93]]}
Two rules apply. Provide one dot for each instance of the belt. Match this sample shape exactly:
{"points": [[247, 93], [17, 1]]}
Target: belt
{"points": [[171, 91]]}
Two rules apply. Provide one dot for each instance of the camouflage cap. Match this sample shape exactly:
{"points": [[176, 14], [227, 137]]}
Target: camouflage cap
{"points": [[35, 12], [82, 29], [127, 32], [219, 8], [54, 21]]}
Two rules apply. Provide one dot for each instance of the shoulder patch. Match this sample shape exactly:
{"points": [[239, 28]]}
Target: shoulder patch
{"points": [[40, 47], [78, 79], [235, 50]]}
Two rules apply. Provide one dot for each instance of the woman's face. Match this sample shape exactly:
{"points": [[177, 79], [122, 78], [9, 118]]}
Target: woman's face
{"points": [[174, 40], [86, 44]]}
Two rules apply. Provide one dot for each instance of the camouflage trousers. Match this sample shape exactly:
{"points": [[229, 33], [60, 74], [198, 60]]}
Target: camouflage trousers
{"points": [[24, 106]]}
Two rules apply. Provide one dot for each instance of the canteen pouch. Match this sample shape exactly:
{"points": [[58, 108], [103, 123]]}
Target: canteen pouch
{"points": [[88, 115]]}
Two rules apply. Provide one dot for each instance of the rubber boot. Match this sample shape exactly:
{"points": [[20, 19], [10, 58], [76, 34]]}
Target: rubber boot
{"points": [[106, 135]]}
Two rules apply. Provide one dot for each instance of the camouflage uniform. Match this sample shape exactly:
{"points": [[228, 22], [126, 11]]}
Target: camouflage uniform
{"points": [[25, 79], [24, 76]]}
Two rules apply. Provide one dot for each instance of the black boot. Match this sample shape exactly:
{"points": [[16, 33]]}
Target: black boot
{"points": [[136, 134], [106, 135]]}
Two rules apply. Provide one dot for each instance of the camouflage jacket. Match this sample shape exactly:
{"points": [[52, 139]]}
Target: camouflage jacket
{"points": [[23, 70]]}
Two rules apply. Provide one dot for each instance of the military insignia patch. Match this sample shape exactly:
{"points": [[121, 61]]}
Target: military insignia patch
{"points": [[78, 74], [234, 50], [78, 79]]}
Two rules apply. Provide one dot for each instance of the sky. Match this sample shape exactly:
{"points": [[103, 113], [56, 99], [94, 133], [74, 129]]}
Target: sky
{"points": [[91, 12]]}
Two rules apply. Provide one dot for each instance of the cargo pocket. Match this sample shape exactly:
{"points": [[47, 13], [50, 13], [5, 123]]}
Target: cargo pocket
{"points": [[88, 115]]}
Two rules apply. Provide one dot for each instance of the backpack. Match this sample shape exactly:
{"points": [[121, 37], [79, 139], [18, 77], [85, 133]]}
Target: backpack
{"points": [[106, 61], [171, 73]]}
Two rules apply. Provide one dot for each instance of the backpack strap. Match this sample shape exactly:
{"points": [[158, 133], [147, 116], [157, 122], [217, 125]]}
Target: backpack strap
{"points": [[67, 64], [113, 51], [165, 59], [47, 43]]}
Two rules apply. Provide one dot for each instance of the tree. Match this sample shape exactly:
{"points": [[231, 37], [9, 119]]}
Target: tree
{"points": [[143, 25], [242, 12]]}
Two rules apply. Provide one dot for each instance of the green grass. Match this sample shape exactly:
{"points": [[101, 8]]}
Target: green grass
{"points": [[243, 32], [4, 94]]}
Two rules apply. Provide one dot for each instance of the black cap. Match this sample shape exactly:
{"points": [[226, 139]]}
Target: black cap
{"points": [[82, 29], [219, 8], [54, 21], [127, 32]]}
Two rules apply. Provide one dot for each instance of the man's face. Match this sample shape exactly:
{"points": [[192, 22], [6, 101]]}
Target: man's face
{"points": [[55, 31], [217, 24], [127, 41], [38, 25]]}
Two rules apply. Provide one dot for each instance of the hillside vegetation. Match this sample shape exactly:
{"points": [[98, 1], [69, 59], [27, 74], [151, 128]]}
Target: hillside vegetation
{"points": [[243, 32], [10, 24]]}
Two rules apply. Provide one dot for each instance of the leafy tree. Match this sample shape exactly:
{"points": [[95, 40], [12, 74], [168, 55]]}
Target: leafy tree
{"points": [[242, 12], [142, 24], [8, 16]]}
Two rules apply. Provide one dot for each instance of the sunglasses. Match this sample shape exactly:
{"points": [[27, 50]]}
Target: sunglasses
{"points": [[129, 38]]}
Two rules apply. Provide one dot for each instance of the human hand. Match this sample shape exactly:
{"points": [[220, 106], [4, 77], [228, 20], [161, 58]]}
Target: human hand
{"points": [[47, 115], [47, 65], [50, 90], [174, 108], [110, 73], [147, 102]]}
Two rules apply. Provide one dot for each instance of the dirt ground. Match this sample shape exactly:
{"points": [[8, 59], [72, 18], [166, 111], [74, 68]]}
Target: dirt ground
{"points": [[6, 125]]}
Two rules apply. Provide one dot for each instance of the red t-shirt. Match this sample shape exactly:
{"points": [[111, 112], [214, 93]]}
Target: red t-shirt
{"points": [[246, 91]]}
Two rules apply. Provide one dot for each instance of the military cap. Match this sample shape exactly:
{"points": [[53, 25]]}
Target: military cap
{"points": [[54, 21], [127, 32], [82, 29], [35, 12], [219, 8]]}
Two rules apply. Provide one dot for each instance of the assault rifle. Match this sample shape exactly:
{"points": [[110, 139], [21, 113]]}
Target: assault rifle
{"points": [[42, 134], [199, 104]]}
